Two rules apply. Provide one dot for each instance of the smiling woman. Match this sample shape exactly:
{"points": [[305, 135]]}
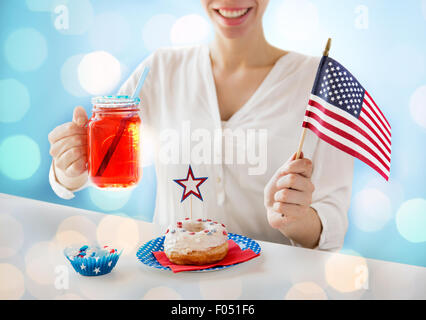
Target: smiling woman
{"points": [[237, 83]]}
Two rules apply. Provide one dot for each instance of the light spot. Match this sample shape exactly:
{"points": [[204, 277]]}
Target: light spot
{"points": [[371, 210], [418, 106], [156, 31], [162, 293], [297, 19], [41, 260], [410, 72], [99, 73], [14, 100], [80, 15], [109, 200], [190, 29], [77, 225], [306, 291], [11, 236], [347, 273], [70, 238], [39, 5], [69, 76], [110, 32], [25, 49], [122, 233], [411, 220], [12, 286], [213, 288], [424, 8], [20, 157]]}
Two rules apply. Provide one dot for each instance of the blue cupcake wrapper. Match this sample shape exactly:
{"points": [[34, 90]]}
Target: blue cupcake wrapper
{"points": [[91, 267]]}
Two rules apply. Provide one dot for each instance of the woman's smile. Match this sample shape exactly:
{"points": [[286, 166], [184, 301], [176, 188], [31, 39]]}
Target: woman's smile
{"points": [[232, 16]]}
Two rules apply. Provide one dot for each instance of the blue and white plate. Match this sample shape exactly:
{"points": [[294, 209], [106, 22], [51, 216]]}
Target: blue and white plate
{"points": [[146, 256]]}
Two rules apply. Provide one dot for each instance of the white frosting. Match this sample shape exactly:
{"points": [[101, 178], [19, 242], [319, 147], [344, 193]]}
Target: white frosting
{"points": [[194, 235]]}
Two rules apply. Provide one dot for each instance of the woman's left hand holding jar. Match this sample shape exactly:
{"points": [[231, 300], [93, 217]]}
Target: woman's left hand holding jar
{"points": [[69, 150]]}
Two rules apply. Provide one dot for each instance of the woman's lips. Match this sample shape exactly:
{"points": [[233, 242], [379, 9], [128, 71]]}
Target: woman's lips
{"points": [[232, 16]]}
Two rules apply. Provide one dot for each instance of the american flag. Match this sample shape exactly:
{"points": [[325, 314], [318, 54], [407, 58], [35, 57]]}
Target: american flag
{"points": [[341, 112]]}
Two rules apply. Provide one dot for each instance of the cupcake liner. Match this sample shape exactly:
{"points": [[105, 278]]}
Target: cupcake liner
{"points": [[93, 266]]}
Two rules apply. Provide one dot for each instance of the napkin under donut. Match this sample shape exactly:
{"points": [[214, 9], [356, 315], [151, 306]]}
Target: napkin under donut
{"points": [[235, 255]]}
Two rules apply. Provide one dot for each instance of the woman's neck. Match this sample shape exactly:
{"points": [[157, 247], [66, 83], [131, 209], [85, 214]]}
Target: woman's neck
{"points": [[249, 51]]}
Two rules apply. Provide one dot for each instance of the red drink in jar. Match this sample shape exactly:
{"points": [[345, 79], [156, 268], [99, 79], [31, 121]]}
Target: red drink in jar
{"points": [[113, 142]]}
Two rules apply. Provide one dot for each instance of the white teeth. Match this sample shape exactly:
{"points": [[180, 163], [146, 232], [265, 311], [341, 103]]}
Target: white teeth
{"points": [[233, 13]]}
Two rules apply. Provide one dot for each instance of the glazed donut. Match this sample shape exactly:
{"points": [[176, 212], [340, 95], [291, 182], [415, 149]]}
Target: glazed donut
{"points": [[196, 242]]}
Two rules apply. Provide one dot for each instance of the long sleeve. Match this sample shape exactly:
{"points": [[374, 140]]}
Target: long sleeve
{"points": [[59, 189], [332, 177]]}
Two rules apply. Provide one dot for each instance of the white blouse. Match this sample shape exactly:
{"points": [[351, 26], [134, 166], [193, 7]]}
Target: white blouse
{"points": [[182, 125]]}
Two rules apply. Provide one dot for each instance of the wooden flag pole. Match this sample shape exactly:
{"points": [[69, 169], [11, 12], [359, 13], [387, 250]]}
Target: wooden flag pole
{"points": [[302, 137]]}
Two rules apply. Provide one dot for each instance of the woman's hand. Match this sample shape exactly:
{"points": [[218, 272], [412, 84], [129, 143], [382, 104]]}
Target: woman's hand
{"points": [[69, 150], [288, 198]]}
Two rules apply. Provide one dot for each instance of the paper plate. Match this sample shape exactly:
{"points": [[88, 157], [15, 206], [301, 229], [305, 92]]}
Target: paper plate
{"points": [[146, 256]]}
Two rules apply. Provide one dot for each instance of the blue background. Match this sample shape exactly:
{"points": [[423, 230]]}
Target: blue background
{"points": [[381, 43]]}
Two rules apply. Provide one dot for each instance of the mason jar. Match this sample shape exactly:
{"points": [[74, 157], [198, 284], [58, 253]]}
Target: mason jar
{"points": [[113, 142]]}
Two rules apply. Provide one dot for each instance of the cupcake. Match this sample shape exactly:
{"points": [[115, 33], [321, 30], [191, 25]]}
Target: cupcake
{"points": [[92, 260]]}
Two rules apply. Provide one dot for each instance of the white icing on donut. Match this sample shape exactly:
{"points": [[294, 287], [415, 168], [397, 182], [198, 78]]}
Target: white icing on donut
{"points": [[194, 235]]}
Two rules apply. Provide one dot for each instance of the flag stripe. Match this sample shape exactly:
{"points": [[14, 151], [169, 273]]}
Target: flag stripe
{"points": [[346, 149], [367, 106], [347, 136], [341, 116], [373, 123], [348, 131], [367, 124], [367, 96]]}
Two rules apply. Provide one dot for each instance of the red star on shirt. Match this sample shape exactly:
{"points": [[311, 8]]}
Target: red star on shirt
{"points": [[191, 185]]}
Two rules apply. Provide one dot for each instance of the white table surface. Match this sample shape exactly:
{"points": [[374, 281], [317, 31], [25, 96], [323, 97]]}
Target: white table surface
{"points": [[32, 265]]}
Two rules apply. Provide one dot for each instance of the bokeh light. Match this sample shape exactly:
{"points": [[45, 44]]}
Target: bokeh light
{"points": [[156, 31], [12, 286], [306, 291], [110, 200], [121, 232], [371, 210], [25, 49], [347, 273], [39, 5], [162, 293], [14, 100], [418, 106], [111, 32], [72, 17], [213, 288], [40, 262], [411, 220], [69, 76], [190, 29], [99, 73], [11, 236], [296, 23], [20, 157]]}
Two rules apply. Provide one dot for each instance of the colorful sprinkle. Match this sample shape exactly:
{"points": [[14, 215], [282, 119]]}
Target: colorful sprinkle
{"points": [[192, 233], [167, 231], [84, 248], [206, 231], [224, 233]]}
